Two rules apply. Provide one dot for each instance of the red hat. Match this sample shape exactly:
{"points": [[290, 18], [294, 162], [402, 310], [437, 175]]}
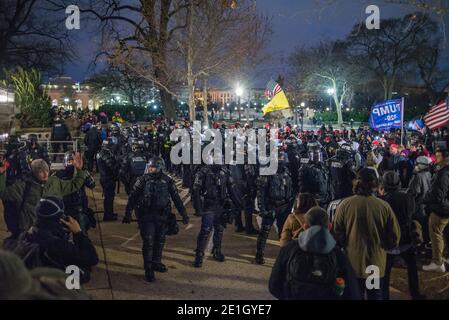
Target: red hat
{"points": [[376, 143], [394, 146]]}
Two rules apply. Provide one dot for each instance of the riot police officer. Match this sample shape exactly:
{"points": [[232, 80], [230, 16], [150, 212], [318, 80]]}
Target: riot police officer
{"points": [[61, 134], [76, 204], [133, 166], [341, 170], [212, 190], [151, 195], [108, 166], [275, 199], [314, 176], [36, 151]]}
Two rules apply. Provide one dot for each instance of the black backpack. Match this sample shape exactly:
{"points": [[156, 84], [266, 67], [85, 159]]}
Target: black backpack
{"points": [[279, 187], [312, 276]]}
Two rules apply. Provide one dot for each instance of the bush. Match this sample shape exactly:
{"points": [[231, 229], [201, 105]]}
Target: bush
{"points": [[33, 101], [357, 116]]}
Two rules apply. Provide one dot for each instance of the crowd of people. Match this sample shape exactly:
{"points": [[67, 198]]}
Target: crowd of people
{"points": [[342, 202]]}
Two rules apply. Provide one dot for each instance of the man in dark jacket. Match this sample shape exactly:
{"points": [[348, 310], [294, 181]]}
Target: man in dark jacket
{"points": [[51, 233], [417, 189], [92, 140], [437, 201], [292, 278], [35, 151], [403, 207], [59, 133]]}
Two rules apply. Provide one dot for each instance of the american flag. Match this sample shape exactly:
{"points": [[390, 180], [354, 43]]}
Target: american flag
{"points": [[438, 116], [273, 88]]}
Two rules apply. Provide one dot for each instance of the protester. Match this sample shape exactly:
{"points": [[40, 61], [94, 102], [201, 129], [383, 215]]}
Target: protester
{"points": [[50, 234], [308, 268], [366, 226], [403, 206], [294, 224], [437, 205]]}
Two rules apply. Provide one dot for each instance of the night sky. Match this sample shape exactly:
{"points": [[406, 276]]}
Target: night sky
{"points": [[295, 23]]}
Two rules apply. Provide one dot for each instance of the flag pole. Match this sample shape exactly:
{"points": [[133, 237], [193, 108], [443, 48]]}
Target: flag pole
{"points": [[402, 121]]}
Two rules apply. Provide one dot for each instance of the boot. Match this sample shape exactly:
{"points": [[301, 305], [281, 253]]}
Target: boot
{"points": [[261, 243], [149, 275], [157, 256], [199, 259], [218, 256]]}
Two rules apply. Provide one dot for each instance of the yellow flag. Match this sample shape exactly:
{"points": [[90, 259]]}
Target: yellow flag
{"points": [[279, 102]]}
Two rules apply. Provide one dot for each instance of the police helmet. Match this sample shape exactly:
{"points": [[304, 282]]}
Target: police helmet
{"points": [[115, 130], [157, 163], [14, 142], [314, 151], [68, 156], [32, 139]]}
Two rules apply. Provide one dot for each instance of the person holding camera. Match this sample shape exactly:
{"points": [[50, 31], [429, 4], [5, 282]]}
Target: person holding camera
{"points": [[151, 196], [56, 241]]}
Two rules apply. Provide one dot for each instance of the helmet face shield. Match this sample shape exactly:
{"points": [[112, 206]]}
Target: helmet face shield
{"points": [[68, 159], [156, 163]]}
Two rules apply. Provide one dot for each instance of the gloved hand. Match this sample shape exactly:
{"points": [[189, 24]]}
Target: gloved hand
{"points": [[185, 219], [127, 219]]}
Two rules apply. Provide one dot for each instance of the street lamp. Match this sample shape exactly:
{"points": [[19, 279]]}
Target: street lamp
{"points": [[239, 93], [330, 92]]}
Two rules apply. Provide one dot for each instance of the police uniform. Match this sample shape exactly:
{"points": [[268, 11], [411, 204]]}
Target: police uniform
{"points": [[107, 165], [275, 200], [151, 196], [76, 204], [212, 190]]}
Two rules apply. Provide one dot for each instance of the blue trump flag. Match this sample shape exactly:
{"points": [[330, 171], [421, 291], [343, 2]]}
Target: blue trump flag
{"points": [[387, 115]]}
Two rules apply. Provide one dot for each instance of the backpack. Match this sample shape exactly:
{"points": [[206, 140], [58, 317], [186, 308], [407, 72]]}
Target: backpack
{"points": [[312, 276]]}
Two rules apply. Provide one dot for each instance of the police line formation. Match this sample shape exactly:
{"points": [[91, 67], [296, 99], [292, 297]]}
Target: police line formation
{"points": [[315, 168]]}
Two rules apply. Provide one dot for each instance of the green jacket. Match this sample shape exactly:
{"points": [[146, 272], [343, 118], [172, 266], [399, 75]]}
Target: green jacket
{"points": [[366, 227], [26, 204]]}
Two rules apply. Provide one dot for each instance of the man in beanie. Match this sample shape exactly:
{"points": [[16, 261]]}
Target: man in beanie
{"points": [[403, 207], [26, 192], [366, 227], [18, 283], [417, 189], [308, 268], [51, 233]]}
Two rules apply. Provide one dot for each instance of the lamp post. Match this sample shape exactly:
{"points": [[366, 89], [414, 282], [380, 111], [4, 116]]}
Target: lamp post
{"points": [[239, 93]]}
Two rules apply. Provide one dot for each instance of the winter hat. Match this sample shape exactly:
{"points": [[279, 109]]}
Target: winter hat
{"points": [[50, 208], [15, 279], [423, 161], [391, 180]]}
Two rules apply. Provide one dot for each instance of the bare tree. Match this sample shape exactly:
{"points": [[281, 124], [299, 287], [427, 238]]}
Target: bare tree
{"points": [[392, 49], [31, 36], [326, 69], [221, 37]]}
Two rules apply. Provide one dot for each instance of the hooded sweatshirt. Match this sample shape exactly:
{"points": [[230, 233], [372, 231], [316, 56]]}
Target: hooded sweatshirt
{"points": [[316, 240]]}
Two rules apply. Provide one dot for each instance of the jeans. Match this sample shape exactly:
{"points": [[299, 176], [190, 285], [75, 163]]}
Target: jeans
{"points": [[412, 271], [371, 294]]}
